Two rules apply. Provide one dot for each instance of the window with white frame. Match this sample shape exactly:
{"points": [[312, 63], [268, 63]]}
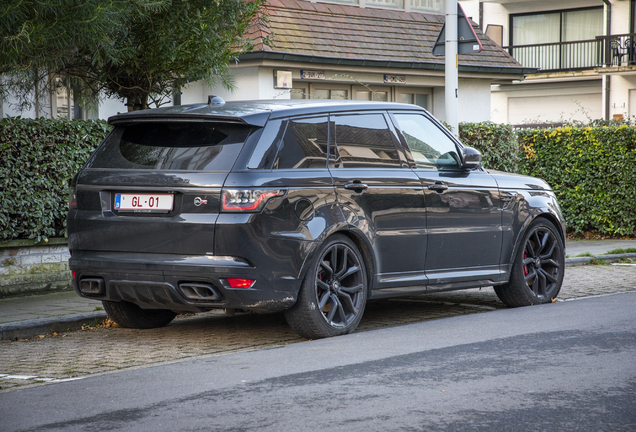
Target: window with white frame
{"points": [[570, 33]]}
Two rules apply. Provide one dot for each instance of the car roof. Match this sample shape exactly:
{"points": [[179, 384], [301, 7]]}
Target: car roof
{"points": [[256, 112]]}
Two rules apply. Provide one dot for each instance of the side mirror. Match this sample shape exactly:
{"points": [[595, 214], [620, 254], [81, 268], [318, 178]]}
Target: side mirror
{"points": [[472, 158]]}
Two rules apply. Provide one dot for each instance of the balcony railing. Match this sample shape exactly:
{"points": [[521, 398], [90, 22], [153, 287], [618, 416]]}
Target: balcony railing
{"points": [[557, 56], [617, 50], [614, 50]]}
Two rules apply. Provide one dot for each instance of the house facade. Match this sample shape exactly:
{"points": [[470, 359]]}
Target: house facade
{"points": [[363, 50], [346, 49], [585, 51]]}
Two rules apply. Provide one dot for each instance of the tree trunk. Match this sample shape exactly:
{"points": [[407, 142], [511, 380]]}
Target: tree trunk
{"points": [[36, 86], [137, 102]]}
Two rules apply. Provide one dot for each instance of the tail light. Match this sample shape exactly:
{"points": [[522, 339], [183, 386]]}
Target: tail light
{"points": [[72, 201], [240, 283], [247, 200]]}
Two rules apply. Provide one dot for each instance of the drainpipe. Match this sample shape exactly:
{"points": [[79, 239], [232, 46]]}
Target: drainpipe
{"points": [[606, 78]]}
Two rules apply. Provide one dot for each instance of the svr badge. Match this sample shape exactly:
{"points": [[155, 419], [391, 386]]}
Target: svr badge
{"points": [[198, 201]]}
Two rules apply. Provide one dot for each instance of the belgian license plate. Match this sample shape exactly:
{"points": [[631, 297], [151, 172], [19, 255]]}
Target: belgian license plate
{"points": [[144, 202]]}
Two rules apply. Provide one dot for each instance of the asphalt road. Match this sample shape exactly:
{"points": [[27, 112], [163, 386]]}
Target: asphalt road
{"points": [[564, 366]]}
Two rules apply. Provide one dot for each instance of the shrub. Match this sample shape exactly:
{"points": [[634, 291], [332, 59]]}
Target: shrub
{"points": [[496, 142], [39, 157], [592, 171]]}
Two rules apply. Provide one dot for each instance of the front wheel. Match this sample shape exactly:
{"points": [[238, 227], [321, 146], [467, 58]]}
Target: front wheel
{"points": [[129, 315], [333, 293], [537, 271]]}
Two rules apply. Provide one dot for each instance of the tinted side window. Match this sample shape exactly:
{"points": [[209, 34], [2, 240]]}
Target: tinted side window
{"points": [[304, 144], [171, 146], [265, 151], [365, 141], [429, 146]]}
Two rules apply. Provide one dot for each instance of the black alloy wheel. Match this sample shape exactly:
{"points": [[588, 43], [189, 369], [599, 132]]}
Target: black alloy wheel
{"points": [[339, 285], [537, 272], [333, 294]]}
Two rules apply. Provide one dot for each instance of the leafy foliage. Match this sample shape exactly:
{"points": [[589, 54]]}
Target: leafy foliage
{"points": [[496, 142], [592, 171], [135, 50], [184, 42], [38, 158], [39, 38]]}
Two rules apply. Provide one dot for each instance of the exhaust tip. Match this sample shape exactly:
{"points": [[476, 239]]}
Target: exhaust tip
{"points": [[199, 291], [92, 286]]}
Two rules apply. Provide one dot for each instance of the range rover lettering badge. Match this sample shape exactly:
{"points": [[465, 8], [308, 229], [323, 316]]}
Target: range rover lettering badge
{"points": [[198, 201]]}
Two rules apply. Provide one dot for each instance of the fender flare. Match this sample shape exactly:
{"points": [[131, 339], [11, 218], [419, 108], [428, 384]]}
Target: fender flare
{"points": [[545, 213], [356, 236]]}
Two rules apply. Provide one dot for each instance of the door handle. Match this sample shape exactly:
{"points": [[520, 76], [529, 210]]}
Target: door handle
{"points": [[358, 187], [438, 187]]}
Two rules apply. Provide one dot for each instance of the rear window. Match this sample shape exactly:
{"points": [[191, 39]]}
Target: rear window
{"points": [[190, 146]]}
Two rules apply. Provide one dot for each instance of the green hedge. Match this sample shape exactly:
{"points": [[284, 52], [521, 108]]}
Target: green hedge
{"points": [[38, 157], [496, 142], [592, 171]]}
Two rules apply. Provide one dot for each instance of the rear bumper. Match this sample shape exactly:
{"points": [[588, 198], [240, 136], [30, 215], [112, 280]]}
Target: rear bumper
{"points": [[155, 281]]}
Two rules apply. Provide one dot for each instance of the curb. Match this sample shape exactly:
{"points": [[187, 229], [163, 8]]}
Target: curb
{"points": [[580, 261], [29, 328]]}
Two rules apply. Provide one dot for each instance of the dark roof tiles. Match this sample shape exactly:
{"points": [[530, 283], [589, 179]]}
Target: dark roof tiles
{"points": [[331, 30]]}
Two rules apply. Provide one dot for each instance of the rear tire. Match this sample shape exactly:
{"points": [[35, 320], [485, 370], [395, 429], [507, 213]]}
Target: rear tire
{"points": [[537, 271], [130, 315], [333, 293]]}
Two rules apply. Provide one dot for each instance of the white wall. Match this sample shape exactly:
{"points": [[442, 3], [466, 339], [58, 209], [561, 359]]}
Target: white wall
{"points": [[252, 83], [193, 93], [547, 102], [473, 104], [619, 94], [620, 16], [110, 107], [474, 100], [8, 110]]}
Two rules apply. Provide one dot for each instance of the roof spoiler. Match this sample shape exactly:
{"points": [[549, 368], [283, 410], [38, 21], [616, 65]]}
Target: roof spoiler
{"points": [[131, 118]]}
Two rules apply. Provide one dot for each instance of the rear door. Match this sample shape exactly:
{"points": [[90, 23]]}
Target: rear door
{"points": [[155, 187], [380, 196]]}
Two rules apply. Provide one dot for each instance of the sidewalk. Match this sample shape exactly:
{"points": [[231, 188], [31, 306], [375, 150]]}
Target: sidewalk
{"points": [[24, 317]]}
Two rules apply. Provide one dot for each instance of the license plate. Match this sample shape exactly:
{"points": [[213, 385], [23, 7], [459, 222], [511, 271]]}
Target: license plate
{"points": [[144, 202]]}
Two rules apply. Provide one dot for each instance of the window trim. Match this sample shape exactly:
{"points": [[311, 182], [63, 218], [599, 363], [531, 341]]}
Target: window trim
{"points": [[428, 91], [545, 12], [313, 86], [374, 88]]}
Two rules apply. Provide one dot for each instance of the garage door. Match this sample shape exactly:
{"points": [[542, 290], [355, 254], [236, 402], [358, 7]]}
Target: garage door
{"points": [[545, 109]]}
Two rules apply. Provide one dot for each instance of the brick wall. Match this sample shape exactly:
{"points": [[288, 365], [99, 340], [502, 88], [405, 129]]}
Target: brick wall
{"points": [[27, 267]]}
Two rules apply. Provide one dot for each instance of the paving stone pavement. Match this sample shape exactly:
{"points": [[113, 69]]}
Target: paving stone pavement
{"points": [[73, 355]]}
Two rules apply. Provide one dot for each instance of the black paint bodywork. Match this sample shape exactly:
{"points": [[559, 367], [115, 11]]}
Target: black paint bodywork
{"points": [[413, 238]]}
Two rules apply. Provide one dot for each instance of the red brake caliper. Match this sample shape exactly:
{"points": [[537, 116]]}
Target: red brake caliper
{"points": [[525, 267]]}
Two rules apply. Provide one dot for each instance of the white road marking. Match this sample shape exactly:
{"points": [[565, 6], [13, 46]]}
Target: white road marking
{"points": [[38, 378]]}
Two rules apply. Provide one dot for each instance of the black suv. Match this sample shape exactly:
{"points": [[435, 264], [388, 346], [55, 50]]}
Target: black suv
{"points": [[307, 207]]}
